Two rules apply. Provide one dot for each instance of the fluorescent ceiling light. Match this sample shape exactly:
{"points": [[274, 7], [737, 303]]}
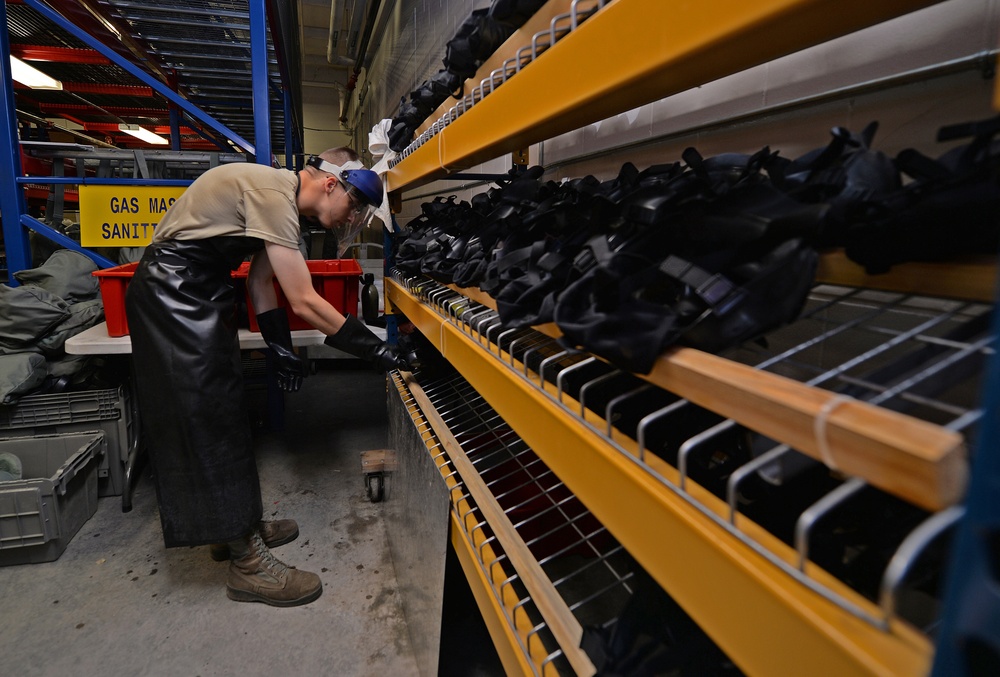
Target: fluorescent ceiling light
{"points": [[31, 76], [142, 133]]}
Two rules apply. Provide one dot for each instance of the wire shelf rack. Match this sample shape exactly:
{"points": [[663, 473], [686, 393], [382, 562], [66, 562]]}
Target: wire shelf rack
{"points": [[917, 355], [585, 565], [560, 26]]}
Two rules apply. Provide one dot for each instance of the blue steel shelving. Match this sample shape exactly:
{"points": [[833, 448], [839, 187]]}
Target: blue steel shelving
{"points": [[13, 181], [968, 642]]}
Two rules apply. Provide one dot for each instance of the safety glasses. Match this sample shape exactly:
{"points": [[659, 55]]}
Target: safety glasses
{"points": [[360, 210]]}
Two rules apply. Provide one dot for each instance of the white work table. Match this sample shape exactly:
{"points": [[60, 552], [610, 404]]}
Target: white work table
{"points": [[95, 341]]}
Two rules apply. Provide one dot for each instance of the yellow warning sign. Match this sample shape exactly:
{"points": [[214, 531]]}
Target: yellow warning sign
{"points": [[123, 216]]}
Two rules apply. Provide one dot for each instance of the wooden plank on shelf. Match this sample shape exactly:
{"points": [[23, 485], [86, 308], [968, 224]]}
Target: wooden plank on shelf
{"points": [[913, 459], [475, 294], [972, 278]]}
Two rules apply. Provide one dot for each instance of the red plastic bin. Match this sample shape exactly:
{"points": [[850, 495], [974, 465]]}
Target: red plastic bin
{"points": [[336, 280], [113, 282]]}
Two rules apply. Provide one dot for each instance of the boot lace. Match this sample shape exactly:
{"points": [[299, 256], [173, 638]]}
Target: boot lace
{"points": [[267, 558]]}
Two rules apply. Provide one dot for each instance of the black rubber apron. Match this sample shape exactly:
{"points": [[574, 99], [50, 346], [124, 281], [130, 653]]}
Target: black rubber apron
{"points": [[181, 309]]}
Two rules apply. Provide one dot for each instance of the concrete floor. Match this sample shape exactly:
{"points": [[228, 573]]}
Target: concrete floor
{"points": [[118, 603]]}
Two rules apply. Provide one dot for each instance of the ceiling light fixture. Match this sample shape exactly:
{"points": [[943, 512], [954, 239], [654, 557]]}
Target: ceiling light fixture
{"points": [[31, 76], [142, 133]]}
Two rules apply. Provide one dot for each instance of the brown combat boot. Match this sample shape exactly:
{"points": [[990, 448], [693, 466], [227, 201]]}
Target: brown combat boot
{"points": [[274, 533], [258, 576]]}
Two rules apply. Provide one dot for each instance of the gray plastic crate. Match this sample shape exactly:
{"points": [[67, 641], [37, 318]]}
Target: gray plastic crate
{"points": [[42, 512], [107, 409]]}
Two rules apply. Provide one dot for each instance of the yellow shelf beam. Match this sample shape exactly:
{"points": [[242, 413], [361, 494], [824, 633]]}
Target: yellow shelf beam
{"points": [[511, 656], [633, 52], [716, 577]]}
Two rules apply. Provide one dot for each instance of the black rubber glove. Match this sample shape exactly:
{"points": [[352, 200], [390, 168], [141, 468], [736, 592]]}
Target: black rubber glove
{"points": [[289, 368], [354, 338]]}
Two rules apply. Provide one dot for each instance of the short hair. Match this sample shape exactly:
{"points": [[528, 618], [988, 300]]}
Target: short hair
{"points": [[339, 156]]}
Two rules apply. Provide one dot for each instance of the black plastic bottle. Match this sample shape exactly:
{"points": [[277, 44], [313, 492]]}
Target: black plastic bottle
{"points": [[369, 298]]}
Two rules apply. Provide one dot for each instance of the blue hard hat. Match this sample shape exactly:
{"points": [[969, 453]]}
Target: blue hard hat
{"points": [[367, 184]]}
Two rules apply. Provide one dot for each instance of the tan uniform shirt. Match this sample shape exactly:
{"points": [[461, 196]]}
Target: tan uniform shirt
{"points": [[240, 199]]}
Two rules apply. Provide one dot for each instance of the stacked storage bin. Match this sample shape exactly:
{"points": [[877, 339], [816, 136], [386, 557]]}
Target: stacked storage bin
{"points": [[57, 493], [106, 410]]}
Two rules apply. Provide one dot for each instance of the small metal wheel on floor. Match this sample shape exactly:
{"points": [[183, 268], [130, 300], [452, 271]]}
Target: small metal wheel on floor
{"points": [[374, 485], [376, 464]]}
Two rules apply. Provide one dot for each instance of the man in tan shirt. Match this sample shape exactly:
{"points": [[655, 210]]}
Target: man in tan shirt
{"points": [[181, 310]]}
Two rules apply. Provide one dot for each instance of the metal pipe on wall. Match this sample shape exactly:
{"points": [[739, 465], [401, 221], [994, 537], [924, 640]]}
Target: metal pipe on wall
{"points": [[374, 8], [338, 9]]}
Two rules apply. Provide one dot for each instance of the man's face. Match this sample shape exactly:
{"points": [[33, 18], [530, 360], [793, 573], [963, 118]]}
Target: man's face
{"points": [[340, 207]]}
